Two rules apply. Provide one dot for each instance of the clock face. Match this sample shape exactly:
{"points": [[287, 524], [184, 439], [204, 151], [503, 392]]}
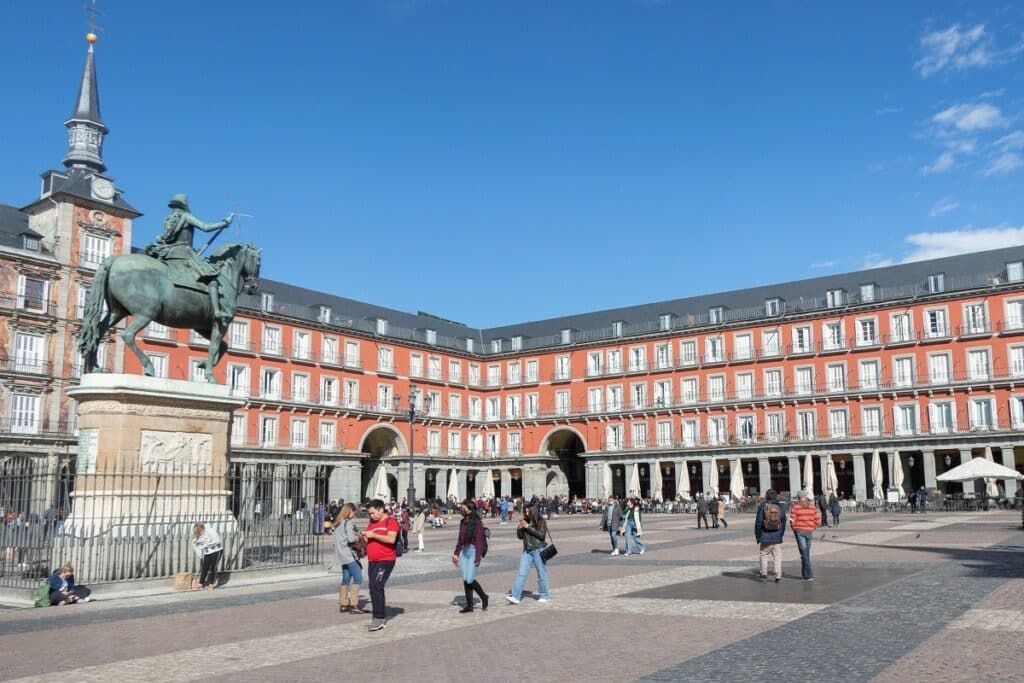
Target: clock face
{"points": [[103, 188]]}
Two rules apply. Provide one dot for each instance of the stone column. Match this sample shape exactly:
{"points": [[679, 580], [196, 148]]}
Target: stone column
{"points": [[402, 477], [705, 472], [308, 487], [929, 469], [463, 481], [764, 475], [282, 506], [823, 475], [441, 484], [794, 475], [965, 456], [506, 482], [419, 476], [1009, 461], [248, 495], [681, 472], [860, 486], [53, 473]]}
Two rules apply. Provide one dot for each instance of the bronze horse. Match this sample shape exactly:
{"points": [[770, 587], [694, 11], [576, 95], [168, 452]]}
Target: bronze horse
{"points": [[140, 286]]}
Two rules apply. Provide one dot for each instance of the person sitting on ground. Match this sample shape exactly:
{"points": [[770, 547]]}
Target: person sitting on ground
{"points": [[63, 590]]}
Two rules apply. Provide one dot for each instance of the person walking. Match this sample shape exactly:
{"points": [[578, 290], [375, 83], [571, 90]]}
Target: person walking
{"points": [[713, 511], [533, 531], [503, 506], [822, 501], [769, 529], [634, 526], [469, 550], [207, 544], [720, 512], [922, 499], [702, 511], [804, 519], [347, 550], [418, 522], [836, 508], [611, 521], [381, 535]]}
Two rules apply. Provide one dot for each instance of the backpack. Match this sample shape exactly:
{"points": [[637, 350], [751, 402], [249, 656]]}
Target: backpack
{"points": [[487, 538], [771, 520], [399, 545], [41, 597]]}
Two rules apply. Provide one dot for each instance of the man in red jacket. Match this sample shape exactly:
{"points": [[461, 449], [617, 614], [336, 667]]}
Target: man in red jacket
{"points": [[804, 518]]}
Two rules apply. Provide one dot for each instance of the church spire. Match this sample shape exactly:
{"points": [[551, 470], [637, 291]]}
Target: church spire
{"points": [[85, 127]]}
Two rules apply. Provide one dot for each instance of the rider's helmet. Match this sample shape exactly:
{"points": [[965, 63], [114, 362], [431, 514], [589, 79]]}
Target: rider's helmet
{"points": [[179, 201]]}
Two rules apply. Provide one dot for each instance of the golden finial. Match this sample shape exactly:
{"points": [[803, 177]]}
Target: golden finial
{"points": [[91, 38]]}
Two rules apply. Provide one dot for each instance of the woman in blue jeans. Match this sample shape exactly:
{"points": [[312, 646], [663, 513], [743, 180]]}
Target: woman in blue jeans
{"points": [[469, 550], [532, 531], [346, 540], [634, 528]]}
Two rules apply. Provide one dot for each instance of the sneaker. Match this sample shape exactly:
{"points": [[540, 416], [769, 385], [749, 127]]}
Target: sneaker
{"points": [[810, 579], [615, 552], [763, 577], [543, 599], [376, 625], [778, 579], [643, 550], [512, 599], [87, 599]]}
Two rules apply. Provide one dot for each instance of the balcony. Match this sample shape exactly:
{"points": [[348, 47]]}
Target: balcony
{"points": [[974, 330], [1011, 325], [36, 428], [935, 333], [91, 259], [25, 366], [27, 304], [386, 366]]}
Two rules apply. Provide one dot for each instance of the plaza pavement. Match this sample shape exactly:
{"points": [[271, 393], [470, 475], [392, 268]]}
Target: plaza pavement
{"points": [[896, 597]]}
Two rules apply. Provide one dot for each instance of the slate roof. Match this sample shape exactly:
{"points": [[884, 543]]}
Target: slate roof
{"points": [[77, 182], [13, 226], [87, 104]]}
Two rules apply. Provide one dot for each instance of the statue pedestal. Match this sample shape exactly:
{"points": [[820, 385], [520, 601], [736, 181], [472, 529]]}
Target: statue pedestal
{"points": [[152, 461]]}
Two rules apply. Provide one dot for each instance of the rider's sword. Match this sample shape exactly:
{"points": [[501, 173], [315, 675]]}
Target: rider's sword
{"points": [[219, 231]]}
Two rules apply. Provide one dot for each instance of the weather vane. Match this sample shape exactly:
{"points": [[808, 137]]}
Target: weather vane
{"points": [[94, 27]]}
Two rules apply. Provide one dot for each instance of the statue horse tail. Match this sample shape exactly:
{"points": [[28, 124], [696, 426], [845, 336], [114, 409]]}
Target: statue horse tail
{"points": [[93, 326]]}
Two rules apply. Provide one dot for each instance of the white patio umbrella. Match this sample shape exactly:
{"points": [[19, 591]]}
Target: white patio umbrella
{"points": [[683, 481], [833, 478], [809, 474], [488, 490], [897, 471], [991, 488], [634, 480], [656, 481], [979, 468], [607, 480], [713, 479], [453, 484], [381, 489], [736, 480], [877, 475]]}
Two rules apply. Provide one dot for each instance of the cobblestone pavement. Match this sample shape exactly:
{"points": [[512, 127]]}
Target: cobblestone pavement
{"points": [[895, 597]]}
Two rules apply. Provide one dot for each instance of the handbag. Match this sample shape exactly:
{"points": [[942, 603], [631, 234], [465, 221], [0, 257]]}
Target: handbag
{"points": [[548, 551]]}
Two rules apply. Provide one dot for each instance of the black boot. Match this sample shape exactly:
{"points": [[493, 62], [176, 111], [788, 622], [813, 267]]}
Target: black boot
{"points": [[468, 589], [484, 598]]}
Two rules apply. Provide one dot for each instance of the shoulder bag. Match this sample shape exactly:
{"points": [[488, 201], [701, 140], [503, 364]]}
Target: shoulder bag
{"points": [[548, 551]]}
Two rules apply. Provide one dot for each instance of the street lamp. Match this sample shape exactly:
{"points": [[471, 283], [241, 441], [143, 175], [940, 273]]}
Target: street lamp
{"points": [[414, 393]]}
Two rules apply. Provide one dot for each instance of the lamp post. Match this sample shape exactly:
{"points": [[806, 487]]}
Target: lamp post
{"points": [[413, 397]]}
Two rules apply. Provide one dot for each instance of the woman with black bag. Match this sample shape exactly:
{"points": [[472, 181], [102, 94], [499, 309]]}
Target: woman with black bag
{"points": [[348, 550], [533, 531]]}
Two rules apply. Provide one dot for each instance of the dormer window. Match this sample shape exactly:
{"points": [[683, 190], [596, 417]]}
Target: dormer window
{"points": [[665, 322], [936, 283], [868, 293], [1014, 271], [773, 307], [835, 298], [323, 314], [716, 315], [431, 336], [267, 302], [495, 346], [469, 344], [617, 328], [517, 343], [30, 243], [567, 336]]}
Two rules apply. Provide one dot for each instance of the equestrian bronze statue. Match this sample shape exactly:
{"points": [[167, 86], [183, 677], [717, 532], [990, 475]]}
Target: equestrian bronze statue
{"points": [[171, 284]]}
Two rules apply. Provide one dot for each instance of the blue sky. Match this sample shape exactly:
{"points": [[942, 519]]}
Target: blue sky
{"points": [[495, 162]]}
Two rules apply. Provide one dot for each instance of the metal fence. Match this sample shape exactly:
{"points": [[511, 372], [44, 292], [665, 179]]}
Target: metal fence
{"points": [[123, 525]]}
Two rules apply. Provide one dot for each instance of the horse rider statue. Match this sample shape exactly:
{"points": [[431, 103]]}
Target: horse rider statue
{"points": [[175, 246]]}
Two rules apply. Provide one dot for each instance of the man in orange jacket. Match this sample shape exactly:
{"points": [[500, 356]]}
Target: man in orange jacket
{"points": [[804, 518]]}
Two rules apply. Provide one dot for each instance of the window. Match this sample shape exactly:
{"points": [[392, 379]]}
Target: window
{"points": [[493, 375], [197, 373], [805, 421], [832, 336], [433, 442], [238, 380], [24, 414], [689, 390], [433, 403], [834, 298], [350, 397], [804, 381], [455, 371], [717, 431], [742, 347], [802, 339], [941, 417], [29, 351], [532, 371], [837, 424], [714, 351], [157, 331], [617, 328], [716, 315], [300, 388], [30, 243], [936, 283], [868, 293], [663, 434], [773, 382], [868, 374], [613, 437], [454, 406], [903, 372], [562, 402], [716, 388], [770, 343], [938, 368], [1017, 361], [267, 301], [474, 374], [159, 362], [469, 344], [745, 385], [432, 336], [415, 365], [662, 393], [867, 332], [595, 399], [384, 402], [326, 437], [474, 408], [514, 373], [270, 384], [238, 334], [639, 396], [301, 345], [638, 359], [977, 364], [746, 429], [268, 431], [982, 414], [385, 360], [691, 434], [352, 354], [1017, 410], [513, 407], [1014, 315], [237, 429], [772, 307], [567, 336], [614, 398], [454, 443], [836, 377], [1014, 271], [495, 346], [593, 364], [975, 320], [532, 405], [323, 314], [329, 350], [562, 367], [639, 432], [95, 250], [382, 326], [901, 328], [329, 391], [665, 322], [298, 433], [872, 421], [688, 352], [906, 420], [776, 426], [663, 356], [32, 294], [271, 340], [615, 360], [493, 408]]}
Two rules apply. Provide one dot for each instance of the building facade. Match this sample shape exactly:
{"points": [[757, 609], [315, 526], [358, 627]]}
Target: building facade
{"points": [[915, 367]]}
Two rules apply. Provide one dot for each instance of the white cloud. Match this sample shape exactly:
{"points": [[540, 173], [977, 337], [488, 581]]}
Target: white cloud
{"points": [[971, 117], [1007, 162], [956, 49], [943, 206], [940, 165], [929, 245], [1014, 140]]}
